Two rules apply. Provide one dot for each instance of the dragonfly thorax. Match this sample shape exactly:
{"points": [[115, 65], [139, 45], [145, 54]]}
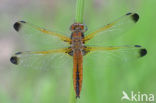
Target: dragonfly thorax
{"points": [[77, 43]]}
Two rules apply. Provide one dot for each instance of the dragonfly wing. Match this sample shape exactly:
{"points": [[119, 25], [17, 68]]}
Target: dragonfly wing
{"points": [[112, 30], [134, 51], [41, 59], [41, 37]]}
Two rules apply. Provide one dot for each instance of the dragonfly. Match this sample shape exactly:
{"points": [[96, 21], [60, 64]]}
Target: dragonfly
{"points": [[78, 43]]}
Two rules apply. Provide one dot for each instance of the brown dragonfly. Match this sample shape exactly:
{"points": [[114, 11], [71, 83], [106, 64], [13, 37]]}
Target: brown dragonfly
{"points": [[78, 43]]}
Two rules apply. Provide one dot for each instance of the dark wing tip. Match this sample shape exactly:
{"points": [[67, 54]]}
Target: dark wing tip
{"points": [[18, 25], [143, 52], [135, 17], [14, 60]]}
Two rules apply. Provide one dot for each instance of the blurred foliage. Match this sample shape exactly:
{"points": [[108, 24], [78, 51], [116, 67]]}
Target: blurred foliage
{"points": [[105, 77]]}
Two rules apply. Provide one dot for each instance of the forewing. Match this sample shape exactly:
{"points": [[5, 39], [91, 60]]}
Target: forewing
{"points": [[39, 37], [113, 30]]}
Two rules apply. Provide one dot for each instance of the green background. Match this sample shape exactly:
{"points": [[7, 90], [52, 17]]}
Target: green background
{"points": [[105, 76]]}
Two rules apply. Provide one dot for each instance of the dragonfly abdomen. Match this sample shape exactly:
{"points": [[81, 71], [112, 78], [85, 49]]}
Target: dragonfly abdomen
{"points": [[77, 72]]}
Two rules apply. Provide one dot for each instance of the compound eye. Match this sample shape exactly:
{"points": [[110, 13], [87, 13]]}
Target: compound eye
{"points": [[81, 27], [72, 27]]}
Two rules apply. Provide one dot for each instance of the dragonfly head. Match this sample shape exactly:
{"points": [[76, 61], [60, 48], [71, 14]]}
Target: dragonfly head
{"points": [[78, 27]]}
